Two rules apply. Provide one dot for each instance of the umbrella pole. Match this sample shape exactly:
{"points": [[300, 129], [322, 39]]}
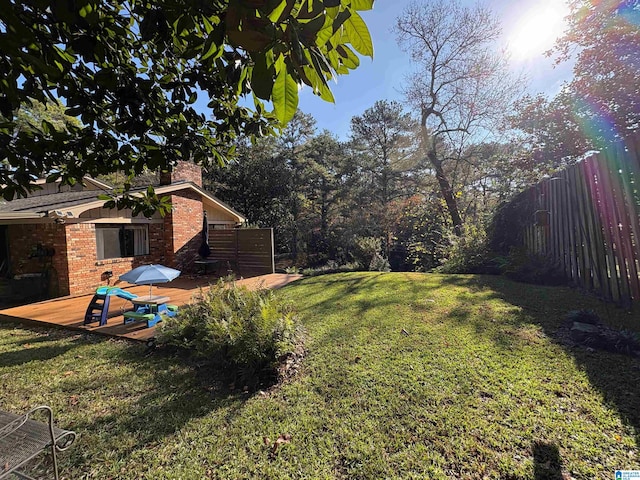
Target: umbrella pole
{"points": [[150, 285]]}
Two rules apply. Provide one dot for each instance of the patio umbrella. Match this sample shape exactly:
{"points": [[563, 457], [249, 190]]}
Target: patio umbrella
{"points": [[204, 251], [150, 274]]}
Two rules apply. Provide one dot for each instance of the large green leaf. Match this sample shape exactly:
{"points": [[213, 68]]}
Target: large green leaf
{"points": [[325, 33], [261, 78], [284, 96], [325, 93], [349, 59], [275, 14], [359, 34]]}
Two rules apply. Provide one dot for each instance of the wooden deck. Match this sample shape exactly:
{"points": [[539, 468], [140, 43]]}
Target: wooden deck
{"points": [[68, 312]]}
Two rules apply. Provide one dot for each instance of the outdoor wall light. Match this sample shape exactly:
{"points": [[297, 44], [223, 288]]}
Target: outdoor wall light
{"points": [[59, 214]]}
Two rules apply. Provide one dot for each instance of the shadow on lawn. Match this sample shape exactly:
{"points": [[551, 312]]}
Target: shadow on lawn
{"points": [[617, 377], [35, 349], [547, 464], [115, 411], [347, 285], [176, 393]]}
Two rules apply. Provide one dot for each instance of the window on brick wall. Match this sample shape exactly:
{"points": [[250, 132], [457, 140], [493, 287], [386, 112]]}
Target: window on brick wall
{"points": [[118, 241]]}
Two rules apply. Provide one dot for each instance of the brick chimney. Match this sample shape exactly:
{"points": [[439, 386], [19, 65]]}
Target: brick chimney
{"points": [[182, 171]]}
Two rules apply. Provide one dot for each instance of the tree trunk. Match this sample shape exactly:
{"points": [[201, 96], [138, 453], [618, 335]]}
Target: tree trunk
{"points": [[324, 210], [447, 194]]}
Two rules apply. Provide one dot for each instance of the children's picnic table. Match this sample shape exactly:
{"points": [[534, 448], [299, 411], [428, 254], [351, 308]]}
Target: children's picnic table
{"points": [[150, 308]]}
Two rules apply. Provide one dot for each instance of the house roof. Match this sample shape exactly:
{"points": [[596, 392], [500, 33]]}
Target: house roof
{"points": [[44, 203], [86, 179], [78, 202]]}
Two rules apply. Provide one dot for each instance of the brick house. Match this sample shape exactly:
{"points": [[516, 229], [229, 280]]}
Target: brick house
{"points": [[66, 236]]}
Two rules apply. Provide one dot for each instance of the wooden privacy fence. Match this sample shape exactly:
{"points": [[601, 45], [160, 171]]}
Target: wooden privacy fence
{"points": [[249, 250], [587, 219]]}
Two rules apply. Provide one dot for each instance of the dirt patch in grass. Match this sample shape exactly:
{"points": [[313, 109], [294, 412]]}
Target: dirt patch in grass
{"points": [[290, 365], [584, 328]]}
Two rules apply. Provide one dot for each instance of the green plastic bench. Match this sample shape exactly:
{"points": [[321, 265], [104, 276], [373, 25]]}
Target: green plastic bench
{"points": [[135, 316]]}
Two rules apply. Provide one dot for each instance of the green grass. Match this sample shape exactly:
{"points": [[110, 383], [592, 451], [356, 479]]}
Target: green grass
{"points": [[407, 376]]}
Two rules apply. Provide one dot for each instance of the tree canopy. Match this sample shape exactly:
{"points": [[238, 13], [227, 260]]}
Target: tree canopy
{"points": [[605, 38], [133, 70], [460, 87], [599, 106]]}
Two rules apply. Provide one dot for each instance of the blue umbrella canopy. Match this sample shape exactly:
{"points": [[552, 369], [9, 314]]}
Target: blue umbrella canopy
{"points": [[150, 274]]}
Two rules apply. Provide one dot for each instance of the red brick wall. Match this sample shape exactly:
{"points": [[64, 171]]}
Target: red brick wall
{"points": [[75, 266], [22, 241], [86, 271], [84, 274], [187, 171], [182, 230]]}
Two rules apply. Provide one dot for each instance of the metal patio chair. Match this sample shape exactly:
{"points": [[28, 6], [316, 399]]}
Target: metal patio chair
{"points": [[22, 438]]}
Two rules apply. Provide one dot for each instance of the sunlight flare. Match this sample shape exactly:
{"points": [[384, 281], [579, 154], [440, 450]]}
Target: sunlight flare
{"points": [[537, 30]]}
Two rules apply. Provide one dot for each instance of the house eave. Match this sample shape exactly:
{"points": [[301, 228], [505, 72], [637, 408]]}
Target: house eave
{"points": [[75, 211], [22, 215], [174, 187]]}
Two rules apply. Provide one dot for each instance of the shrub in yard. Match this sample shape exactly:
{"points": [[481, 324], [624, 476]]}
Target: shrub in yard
{"points": [[332, 267], [365, 248], [243, 331], [526, 267], [469, 253], [379, 264]]}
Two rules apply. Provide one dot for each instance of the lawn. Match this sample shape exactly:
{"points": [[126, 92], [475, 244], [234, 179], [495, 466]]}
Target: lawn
{"points": [[407, 376]]}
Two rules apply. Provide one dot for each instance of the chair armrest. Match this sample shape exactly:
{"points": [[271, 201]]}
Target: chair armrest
{"points": [[65, 440], [60, 439], [22, 438], [20, 421]]}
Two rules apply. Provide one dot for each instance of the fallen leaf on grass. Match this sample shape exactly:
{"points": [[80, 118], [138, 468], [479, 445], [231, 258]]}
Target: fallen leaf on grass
{"points": [[282, 439], [69, 372], [73, 399]]}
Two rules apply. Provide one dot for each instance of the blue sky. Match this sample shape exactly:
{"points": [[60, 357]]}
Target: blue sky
{"points": [[381, 78]]}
